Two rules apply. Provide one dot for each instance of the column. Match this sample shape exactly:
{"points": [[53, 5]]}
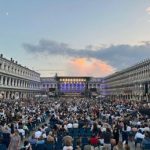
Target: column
{"points": [[18, 83], [22, 83], [8, 95], [10, 81]]}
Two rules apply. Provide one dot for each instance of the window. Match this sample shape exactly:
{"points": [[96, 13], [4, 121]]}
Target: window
{"points": [[4, 67], [3, 80], [8, 68]]}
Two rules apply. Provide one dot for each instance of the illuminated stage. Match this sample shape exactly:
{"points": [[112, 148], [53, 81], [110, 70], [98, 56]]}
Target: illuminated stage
{"points": [[72, 85]]}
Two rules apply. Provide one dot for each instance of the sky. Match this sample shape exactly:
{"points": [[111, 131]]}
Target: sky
{"points": [[75, 37]]}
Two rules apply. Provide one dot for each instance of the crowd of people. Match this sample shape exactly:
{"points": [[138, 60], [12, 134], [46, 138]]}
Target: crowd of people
{"points": [[73, 123]]}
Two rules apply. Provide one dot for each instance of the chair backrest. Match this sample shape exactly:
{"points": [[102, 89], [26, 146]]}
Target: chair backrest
{"points": [[6, 135], [139, 140], [40, 146], [3, 147], [88, 132], [75, 132], [58, 145], [6, 139], [146, 146], [82, 132], [85, 140], [33, 146], [49, 146]]}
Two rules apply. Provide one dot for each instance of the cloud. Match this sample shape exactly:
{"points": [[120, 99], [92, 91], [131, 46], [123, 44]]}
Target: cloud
{"points": [[148, 10], [82, 67], [118, 56]]}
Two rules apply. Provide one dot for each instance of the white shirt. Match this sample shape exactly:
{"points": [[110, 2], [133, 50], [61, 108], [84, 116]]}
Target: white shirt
{"points": [[69, 125], [139, 135], [21, 131], [128, 128], [67, 148], [138, 123], [146, 129], [38, 134], [75, 125], [142, 129]]}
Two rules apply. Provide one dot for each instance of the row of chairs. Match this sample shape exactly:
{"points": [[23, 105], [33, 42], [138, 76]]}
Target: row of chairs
{"points": [[146, 147], [143, 146], [5, 137], [80, 132], [3, 147]]}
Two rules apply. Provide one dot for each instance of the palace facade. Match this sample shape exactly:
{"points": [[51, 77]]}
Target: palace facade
{"points": [[17, 81], [131, 83]]}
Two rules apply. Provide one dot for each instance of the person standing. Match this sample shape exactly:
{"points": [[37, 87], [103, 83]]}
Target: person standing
{"points": [[107, 138], [15, 141], [116, 134]]}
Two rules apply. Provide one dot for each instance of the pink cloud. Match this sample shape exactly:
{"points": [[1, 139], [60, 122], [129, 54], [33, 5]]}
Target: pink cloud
{"points": [[148, 10], [86, 67]]}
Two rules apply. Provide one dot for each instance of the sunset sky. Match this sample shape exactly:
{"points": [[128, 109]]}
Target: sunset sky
{"points": [[75, 37]]}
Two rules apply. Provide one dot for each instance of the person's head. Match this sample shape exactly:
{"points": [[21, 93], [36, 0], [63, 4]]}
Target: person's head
{"points": [[26, 145], [78, 142], [51, 133], [119, 145], [126, 147], [68, 143], [108, 130], [16, 132], [147, 134], [40, 138], [33, 136]]}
